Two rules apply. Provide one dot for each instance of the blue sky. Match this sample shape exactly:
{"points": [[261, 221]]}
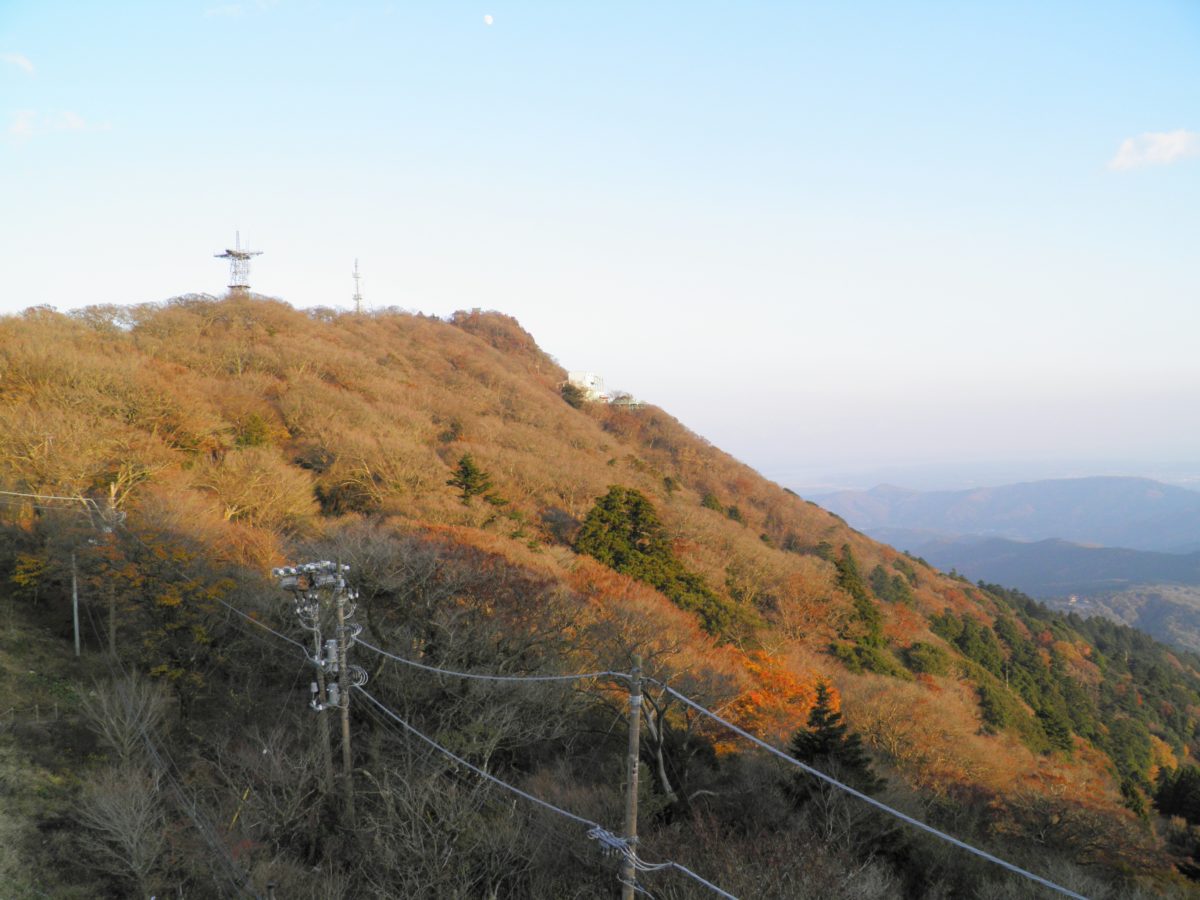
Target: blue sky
{"points": [[826, 236]]}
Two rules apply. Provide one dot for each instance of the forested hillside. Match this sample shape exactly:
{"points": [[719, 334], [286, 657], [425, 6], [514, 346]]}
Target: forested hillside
{"points": [[494, 525]]}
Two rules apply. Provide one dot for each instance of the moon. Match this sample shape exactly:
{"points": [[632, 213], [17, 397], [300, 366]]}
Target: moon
{"points": [[488, 20]]}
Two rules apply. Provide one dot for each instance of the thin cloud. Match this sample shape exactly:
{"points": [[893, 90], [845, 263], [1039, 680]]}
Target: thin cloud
{"points": [[27, 123], [20, 61], [1155, 148], [23, 125], [69, 121]]}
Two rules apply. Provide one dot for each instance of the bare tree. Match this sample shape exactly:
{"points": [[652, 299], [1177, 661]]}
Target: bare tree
{"points": [[124, 711], [274, 777], [124, 821]]}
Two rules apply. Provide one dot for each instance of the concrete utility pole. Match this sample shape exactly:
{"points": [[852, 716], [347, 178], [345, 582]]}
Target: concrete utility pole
{"points": [[344, 640], [75, 601], [628, 871], [316, 586], [110, 518], [320, 705]]}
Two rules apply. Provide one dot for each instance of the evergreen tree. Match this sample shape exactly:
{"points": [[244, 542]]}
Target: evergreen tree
{"points": [[574, 395], [623, 531], [470, 479], [829, 746], [865, 611], [1178, 793], [849, 578]]}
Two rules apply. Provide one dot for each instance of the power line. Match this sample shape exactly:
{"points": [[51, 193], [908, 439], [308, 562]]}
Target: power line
{"points": [[17, 501], [226, 604], [84, 500], [482, 773], [545, 832], [596, 831], [775, 751], [916, 823], [483, 676], [263, 625], [639, 864]]}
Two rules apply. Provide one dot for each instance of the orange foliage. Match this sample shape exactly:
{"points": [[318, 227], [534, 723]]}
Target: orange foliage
{"points": [[776, 703]]}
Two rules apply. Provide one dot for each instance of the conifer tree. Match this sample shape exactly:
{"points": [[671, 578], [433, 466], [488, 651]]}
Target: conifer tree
{"points": [[470, 479], [574, 395], [623, 531], [828, 745]]}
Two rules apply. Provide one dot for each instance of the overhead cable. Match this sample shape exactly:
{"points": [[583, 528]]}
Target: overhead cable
{"points": [[916, 823], [226, 604], [482, 773], [596, 831], [640, 864], [483, 676], [263, 625], [83, 500]]}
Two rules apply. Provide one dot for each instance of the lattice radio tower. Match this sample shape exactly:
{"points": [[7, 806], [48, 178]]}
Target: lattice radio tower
{"points": [[239, 264], [357, 293]]}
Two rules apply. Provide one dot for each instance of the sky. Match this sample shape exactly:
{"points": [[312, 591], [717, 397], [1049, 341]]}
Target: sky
{"points": [[832, 238]]}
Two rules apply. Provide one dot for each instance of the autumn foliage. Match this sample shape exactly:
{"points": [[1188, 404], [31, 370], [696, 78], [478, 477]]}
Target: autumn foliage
{"points": [[493, 524]]}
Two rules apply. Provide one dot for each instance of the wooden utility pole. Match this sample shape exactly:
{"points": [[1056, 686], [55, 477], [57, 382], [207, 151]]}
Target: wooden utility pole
{"points": [[343, 635], [628, 871]]}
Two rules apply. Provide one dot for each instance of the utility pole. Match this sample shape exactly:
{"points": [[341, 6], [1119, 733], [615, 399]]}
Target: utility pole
{"points": [[628, 870], [110, 517], [319, 705], [344, 639], [315, 587], [75, 601]]}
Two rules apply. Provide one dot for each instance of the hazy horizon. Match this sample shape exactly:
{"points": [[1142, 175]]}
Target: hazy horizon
{"points": [[813, 481]]}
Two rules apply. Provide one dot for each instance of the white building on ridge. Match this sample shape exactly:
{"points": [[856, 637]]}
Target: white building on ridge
{"points": [[591, 384]]}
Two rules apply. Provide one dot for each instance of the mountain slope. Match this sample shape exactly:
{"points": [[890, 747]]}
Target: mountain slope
{"points": [[239, 434], [1170, 613]]}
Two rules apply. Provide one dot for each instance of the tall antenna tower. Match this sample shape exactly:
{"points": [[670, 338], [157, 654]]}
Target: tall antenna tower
{"points": [[357, 293], [239, 263]]}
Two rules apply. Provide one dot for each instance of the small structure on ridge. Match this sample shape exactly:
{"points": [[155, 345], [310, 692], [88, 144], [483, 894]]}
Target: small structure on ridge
{"points": [[239, 264]]}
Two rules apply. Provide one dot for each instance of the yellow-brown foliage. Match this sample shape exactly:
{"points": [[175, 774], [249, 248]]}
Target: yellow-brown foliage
{"points": [[241, 422]]}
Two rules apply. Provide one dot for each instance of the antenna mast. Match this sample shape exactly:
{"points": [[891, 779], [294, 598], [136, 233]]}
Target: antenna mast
{"points": [[357, 293], [239, 264]]}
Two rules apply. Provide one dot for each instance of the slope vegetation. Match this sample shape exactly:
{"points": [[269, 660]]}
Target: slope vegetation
{"points": [[490, 525]]}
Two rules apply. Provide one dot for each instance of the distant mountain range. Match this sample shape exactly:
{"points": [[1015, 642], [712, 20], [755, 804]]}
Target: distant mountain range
{"points": [[1136, 513], [1125, 548], [1156, 592], [1055, 568]]}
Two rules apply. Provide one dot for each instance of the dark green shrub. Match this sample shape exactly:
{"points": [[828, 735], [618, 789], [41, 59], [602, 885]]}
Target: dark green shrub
{"points": [[927, 659]]}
